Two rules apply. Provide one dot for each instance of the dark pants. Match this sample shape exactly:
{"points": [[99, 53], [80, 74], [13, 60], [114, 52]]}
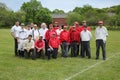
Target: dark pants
{"points": [[74, 49], [78, 49], [27, 54], [81, 48], [20, 53], [15, 47], [100, 43], [64, 49], [86, 48], [46, 46], [54, 53], [40, 53]]}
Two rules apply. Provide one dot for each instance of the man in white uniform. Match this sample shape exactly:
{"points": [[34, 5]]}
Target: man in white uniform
{"points": [[21, 36], [85, 40], [101, 34], [29, 31], [14, 32], [35, 32]]}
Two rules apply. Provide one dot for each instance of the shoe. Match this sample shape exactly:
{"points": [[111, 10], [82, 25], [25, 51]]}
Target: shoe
{"points": [[104, 58], [97, 58]]}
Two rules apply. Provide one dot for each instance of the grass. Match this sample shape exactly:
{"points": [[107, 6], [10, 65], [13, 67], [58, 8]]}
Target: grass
{"points": [[14, 68]]}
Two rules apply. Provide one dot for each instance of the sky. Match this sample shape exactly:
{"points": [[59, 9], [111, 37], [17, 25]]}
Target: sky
{"points": [[66, 5]]}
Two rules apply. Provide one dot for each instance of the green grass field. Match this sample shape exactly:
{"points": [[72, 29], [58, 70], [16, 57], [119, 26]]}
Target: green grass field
{"points": [[14, 68]]}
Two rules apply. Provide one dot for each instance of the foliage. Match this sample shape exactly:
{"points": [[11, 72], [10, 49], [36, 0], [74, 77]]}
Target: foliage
{"points": [[31, 8], [72, 17], [43, 16], [57, 11]]}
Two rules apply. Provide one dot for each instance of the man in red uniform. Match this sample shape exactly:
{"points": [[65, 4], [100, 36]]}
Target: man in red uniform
{"points": [[39, 47], [56, 26], [74, 40], [48, 35], [65, 41], [53, 46], [78, 28]]}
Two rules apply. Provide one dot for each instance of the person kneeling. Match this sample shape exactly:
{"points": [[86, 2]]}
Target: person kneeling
{"points": [[39, 47], [29, 47], [53, 46]]}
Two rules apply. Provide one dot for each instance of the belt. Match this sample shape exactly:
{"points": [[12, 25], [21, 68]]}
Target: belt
{"points": [[22, 38]]}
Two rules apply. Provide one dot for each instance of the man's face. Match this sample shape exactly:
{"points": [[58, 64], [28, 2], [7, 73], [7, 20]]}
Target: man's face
{"points": [[53, 35], [22, 26], [43, 26], [40, 38], [100, 24], [29, 37], [17, 23], [84, 23], [28, 28], [51, 26]]}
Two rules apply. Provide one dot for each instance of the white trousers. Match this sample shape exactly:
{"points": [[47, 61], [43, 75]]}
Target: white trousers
{"points": [[21, 44]]}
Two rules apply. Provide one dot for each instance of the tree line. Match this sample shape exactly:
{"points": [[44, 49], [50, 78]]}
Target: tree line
{"points": [[33, 11]]}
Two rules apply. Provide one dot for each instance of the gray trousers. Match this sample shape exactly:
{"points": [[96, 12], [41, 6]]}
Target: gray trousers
{"points": [[64, 49], [102, 44], [74, 49]]}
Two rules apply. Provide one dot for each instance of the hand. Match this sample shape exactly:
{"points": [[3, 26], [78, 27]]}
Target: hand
{"points": [[28, 50], [51, 48], [58, 50], [18, 41]]}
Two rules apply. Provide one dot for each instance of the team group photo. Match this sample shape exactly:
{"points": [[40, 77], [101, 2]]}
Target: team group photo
{"points": [[59, 40]]}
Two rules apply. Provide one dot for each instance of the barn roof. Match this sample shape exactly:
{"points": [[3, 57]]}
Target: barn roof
{"points": [[59, 15]]}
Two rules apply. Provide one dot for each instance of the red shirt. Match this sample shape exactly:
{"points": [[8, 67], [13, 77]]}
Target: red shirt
{"points": [[54, 42], [55, 28], [65, 36], [39, 44], [74, 36], [88, 28], [77, 28], [48, 34]]}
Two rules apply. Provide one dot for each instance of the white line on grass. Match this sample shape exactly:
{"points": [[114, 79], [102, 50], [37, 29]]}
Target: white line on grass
{"points": [[86, 69]]}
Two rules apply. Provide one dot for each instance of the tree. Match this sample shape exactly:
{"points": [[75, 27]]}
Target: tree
{"points": [[31, 8], [57, 11], [43, 16], [72, 17]]}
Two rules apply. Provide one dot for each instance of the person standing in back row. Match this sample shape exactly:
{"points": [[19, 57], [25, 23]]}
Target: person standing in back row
{"points": [[85, 41], [101, 34], [14, 31]]}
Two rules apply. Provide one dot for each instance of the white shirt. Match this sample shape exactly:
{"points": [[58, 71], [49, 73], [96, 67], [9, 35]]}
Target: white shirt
{"points": [[29, 32], [101, 33], [58, 31], [15, 29], [43, 31], [28, 45], [22, 34], [85, 35], [35, 34]]}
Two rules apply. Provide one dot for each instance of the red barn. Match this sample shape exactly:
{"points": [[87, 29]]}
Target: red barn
{"points": [[60, 18]]}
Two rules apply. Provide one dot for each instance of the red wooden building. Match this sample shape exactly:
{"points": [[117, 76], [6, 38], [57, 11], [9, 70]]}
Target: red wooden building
{"points": [[60, 18]]}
